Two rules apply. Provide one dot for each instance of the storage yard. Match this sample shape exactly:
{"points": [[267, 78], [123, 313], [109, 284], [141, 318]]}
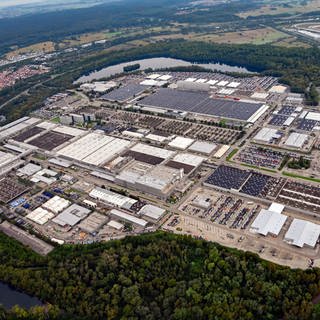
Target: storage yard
{"points": [[232, 160]]}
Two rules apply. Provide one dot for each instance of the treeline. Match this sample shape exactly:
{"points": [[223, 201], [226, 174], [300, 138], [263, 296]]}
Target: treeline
{"points": [[160, 276]]}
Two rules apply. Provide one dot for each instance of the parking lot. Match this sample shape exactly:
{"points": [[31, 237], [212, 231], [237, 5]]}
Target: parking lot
{"points": [[260, 157], [11, 189], [227, 210], [302, 196]]}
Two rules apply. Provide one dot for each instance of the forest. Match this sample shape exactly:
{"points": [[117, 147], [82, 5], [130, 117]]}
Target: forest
{"points": [[157, 276], [56, 26]]}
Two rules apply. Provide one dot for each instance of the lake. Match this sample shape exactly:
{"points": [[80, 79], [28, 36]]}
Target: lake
{"points": [[157, 63], [10, 297]]}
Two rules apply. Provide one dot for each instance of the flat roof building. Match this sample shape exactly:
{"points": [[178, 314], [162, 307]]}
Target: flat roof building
{"points": [[71, 216], [302, 233], [296, 140], [269, 221], [56, 204], [93, 222], [40, 216], [115, 225], [203, 147], [181, 143], [112, 198], [117, 214], [151, 212], [267, 135]]}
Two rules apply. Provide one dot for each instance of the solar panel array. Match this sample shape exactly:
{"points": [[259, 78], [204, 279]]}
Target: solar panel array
{"points": [[125, 93], [255, 184], [251, 183], [278, 120], [287, 110], [307, 125], [200, 102], [228, 177]]}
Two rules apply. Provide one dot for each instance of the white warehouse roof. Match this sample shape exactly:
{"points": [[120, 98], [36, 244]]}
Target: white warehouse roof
{"points": [[29, 169], [222, 151], [302, 232], [234, 84], [165, 77], [153, 76], [189, 159], [72, 215], [296, 140], [276, 207], [70, 131], [258, 114], [212, 82], [56, 204], [128, 217], [260, 95], [152, 212], [40, 216], [191, 79], [156, 137], [268, 222], [6, 158], [222, 83], [115, 225], [112, 198], [153, 151], [313, 116], [47, 125], [267, 134], [203, 147], [94, 148], [181, 143]]}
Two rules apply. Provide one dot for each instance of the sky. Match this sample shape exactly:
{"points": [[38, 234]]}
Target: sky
{"points": [[7, 3]]}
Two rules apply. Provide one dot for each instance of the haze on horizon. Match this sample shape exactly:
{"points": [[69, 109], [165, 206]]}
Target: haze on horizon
{"points": [[11, 3]]}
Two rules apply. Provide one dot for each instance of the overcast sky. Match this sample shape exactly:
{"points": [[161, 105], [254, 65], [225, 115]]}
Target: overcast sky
{"points": [[7, 3]]}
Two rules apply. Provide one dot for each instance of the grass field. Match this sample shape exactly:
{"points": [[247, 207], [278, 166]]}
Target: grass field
{"points": [[291, 42], [283, 7], [257, 36], [42, 46], [88, 37], [293, 175]]}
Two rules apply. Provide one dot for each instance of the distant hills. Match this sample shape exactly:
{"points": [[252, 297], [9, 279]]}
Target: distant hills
{"points": [[14, 8]]}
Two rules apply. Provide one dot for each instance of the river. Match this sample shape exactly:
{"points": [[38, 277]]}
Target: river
{"points": [[157, 63], [10, 297]]}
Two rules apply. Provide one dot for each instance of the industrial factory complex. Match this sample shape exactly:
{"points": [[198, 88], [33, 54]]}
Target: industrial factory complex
{"points": [[231, 160]]}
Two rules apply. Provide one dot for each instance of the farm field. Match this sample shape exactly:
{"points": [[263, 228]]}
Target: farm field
{"points": [[47, 46], [257, 37], [283, 7]]}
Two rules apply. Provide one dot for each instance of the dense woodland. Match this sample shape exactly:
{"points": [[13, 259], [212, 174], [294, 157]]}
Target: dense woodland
{"points": [[158, 276], [55, 26]]}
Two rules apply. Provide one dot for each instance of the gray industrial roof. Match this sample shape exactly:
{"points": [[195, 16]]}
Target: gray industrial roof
{"points": [[124, 93], [202, 103], [72, 215]]}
